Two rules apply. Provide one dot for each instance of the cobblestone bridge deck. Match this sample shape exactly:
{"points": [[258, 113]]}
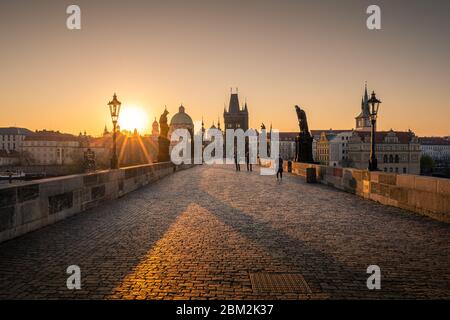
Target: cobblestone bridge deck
{"points": [[202, 232]]}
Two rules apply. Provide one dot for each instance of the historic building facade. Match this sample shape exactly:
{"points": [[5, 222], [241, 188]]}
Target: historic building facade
{"points": [[437, 148], [52, 148], [287, 145], [397, 152], [331, 147], [323, 148], [11, 138]]}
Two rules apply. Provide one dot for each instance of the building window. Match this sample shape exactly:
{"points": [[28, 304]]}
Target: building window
{"points": [[391, 170], [385, 158], [396, 158], [391, 159], [404, 170]]}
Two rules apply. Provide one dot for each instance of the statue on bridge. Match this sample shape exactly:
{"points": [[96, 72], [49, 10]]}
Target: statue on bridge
{"points": [[303, 142], [163, 140]]}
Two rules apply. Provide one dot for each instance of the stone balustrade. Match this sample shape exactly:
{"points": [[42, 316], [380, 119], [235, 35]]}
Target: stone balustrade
{"points": [[32, 205], [428, 196]]}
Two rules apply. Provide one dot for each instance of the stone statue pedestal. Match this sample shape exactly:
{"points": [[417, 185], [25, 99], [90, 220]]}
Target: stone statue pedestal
{"points": [[163, 152], [303, 147]]}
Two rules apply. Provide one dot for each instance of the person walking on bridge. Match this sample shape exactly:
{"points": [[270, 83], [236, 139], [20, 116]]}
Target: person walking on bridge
{"points": [[280, 168], [247, 161], [236, 161]]}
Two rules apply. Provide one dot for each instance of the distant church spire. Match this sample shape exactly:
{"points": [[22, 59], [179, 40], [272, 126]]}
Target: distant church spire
{"points": [[366, 96], [203, 126], [363, 119]]}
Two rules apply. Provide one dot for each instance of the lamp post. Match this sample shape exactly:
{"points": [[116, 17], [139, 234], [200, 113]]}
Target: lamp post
{"points": [[114, 109], [374, 103]]}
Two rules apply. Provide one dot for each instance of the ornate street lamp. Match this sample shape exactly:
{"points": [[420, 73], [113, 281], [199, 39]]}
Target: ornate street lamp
{"points": [[374, 103], [114, 109]]}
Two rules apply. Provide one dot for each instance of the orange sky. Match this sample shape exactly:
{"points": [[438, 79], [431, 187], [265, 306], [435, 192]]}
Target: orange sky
{"points": [[279, 53]]}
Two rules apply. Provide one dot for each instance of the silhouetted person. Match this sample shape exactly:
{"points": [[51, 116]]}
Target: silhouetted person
{"points": [[247, 161], [280, 168], [236, 162]]}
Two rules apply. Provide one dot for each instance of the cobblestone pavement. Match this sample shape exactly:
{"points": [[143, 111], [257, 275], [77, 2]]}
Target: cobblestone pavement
{"points": [[199, 233]]}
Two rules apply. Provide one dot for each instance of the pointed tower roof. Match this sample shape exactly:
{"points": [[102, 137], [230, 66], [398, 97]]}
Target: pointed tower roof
{"points": [[245, 106], [365, 112], [366, 96], [234, 103]]}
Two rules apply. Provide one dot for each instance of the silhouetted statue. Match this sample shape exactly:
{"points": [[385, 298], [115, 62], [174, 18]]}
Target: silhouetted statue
{"points": [[163, 141], [263, 127], [303, 142], [302, 122]]}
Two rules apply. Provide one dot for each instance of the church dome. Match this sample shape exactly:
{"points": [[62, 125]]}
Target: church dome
{"points": [[181, 118]]}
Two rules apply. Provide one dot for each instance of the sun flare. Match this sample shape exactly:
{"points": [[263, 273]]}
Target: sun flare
{"points": [[133, 117]]}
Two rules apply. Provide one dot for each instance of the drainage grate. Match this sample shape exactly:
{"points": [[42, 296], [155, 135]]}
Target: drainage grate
{"points": [[279, 283]]}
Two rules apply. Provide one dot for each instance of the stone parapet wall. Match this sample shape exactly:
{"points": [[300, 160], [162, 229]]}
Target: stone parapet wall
{"points": [[32, 205], [428, 196]]}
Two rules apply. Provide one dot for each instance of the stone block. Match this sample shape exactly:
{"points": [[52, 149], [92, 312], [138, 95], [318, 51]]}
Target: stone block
{"points": [[60, 202], [103, 177], [337, 172], [72, 183], [428, 184], [384, 190], [423, 200], [28, 192], [366, 186], [90, 179], [51, 187], [98, 192], [374, 188], [405, 181], [399, 194], [30, 212], [387, 178], [356, 174], [8, 197], [374, 176], [6, 218], [443, 186]]}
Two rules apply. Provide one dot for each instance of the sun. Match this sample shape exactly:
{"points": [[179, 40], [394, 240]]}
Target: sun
{"points": [[133, 117]]}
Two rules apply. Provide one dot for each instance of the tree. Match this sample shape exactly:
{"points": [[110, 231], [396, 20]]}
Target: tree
{"points": [[426, 164]]}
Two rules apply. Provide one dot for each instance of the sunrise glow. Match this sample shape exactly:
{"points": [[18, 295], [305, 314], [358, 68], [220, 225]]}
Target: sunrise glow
{"points": [[133, 117]]}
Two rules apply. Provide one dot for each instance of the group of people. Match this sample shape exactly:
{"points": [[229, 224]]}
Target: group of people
{"points": [[250, 166]]}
